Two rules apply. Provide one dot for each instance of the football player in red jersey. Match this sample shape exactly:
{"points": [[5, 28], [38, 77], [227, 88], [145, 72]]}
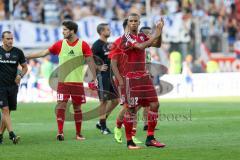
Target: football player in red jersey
{"points": [[71, 52], [137, 89]]}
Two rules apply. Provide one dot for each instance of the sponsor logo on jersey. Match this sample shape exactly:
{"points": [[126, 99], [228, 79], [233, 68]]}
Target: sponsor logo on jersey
{"points": [[71, 53]]}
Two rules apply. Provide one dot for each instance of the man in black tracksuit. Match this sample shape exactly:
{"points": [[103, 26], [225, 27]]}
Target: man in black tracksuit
{"points": [[107, 91], [10, 58]]}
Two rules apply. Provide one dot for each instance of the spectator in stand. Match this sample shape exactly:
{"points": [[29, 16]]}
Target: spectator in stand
{"points": [[67, 12], [2, 11], [231, 27], [237, 47]]}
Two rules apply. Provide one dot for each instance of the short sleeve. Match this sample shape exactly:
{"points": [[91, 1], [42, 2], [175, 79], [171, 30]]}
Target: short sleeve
{"points": [[22, 58], [94, 49], [55, 49], [86, 49], [115, 49]]}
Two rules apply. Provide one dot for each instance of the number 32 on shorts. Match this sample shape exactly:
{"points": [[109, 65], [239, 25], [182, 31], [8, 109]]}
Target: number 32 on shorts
{"points": [[134, 101]]}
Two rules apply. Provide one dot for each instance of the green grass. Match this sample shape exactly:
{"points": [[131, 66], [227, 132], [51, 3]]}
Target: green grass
{"points": [[193, 129]]}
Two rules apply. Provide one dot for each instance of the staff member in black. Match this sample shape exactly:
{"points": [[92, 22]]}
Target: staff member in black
{"points": [[107, 92], [10, 58]]}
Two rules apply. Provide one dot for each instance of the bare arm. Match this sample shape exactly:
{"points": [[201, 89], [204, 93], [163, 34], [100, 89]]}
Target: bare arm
{"points": [[92, 66], [155, 40], [23, 72], [115, 70], [24, 69], [39, 54]]}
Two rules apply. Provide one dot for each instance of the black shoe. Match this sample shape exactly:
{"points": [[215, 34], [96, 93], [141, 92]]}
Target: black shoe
{"points": [[106, 131], [145, 128], [15, 139], [131, 145], [60, 137], [98, 126]]}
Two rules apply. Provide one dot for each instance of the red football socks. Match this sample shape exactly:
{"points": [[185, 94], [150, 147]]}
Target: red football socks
{"points": [[152, 122], [119, 123], [78, 121], [128, 123], [60, 119]]}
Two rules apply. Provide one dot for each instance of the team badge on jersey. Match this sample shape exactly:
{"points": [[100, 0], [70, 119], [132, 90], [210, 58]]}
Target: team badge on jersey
{"points": [[142, 38], [7, 55]]}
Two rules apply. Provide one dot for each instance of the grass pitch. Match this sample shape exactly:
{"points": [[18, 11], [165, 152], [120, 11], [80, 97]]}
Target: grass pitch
{"points": [[193, 129]]}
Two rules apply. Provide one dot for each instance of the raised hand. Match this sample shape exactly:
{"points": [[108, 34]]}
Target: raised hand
{"points": [[159, 26]]}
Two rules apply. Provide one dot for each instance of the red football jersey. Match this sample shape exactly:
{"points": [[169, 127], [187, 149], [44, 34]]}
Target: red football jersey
{"points": [[117, 54], [131, 60]]}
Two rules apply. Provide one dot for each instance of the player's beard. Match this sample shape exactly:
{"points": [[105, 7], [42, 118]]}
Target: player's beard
{"points": [[107, 36], [68, 37], [8, 45]]}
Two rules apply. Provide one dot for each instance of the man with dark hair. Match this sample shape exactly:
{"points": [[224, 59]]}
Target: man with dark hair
{"points": [[71, 25], [71, 52], [10, 58], [116, 51], [107, 91], [101, 27], [136, 84]]}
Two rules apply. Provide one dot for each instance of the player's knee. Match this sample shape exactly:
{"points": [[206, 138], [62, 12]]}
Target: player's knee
{"points": [[103, 103], [76, 107], [115, 102], [122, 112], [154, 106], [61, 105]]}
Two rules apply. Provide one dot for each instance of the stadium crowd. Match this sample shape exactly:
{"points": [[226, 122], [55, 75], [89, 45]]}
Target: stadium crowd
{"points": [[219, 20]]}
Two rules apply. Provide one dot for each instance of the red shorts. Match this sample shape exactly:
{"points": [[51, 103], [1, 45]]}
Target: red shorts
{"points": [[73, 90], [138, 91]]}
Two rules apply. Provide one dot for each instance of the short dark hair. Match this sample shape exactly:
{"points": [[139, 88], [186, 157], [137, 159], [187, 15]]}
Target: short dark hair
{"points": [[145, 27], [100, 27], [5, 32], [125, 23], [71, 25]]}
